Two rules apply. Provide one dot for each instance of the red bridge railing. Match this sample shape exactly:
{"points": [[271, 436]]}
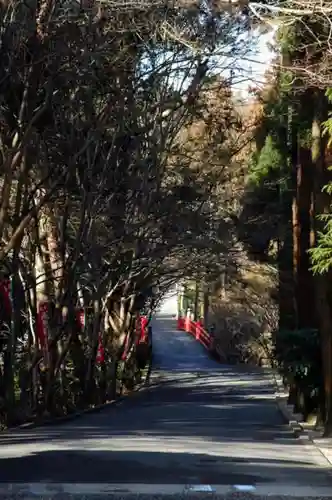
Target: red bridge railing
{"points": [[196, 330]]}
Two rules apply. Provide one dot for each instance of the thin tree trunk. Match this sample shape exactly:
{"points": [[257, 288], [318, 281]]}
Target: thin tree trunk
{"points": [[305, 297], [196, 301], [206, 306]]}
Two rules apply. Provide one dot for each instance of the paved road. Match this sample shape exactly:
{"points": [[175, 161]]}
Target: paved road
{"points": [[204, 424]]}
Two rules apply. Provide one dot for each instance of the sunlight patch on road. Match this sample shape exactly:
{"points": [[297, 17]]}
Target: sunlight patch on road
{"points": [[145, 449]]}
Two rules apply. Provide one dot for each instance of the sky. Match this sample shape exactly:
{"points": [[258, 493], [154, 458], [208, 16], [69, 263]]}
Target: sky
{"points": [[253, 67], [243, 69]]}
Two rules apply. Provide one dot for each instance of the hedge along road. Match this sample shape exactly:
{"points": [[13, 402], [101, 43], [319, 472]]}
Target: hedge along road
{"points": [[202, 424]]}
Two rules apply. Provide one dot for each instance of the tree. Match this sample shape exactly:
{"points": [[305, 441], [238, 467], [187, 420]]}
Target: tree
{"points": [[97, 209], [301, 104]]}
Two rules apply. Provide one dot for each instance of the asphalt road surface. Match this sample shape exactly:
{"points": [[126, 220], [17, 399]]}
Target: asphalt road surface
{"points": [[200, 426]]}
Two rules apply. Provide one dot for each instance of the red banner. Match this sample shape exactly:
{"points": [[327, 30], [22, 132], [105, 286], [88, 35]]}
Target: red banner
{"points": [[141, 329], [141, 334], [144, 330], [100, 358]]}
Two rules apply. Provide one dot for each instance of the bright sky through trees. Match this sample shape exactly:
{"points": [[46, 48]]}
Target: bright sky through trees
{"points": [[251, 71], [244, 67]]}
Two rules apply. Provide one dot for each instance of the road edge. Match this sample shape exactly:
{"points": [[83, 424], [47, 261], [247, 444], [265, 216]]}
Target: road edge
{"points": [[151, 382], [294, 420]]}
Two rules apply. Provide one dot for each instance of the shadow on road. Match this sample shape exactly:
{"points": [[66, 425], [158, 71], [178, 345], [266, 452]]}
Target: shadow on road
{"points": [[210, 405], [217, 424], [101, 466], [182, 433]]}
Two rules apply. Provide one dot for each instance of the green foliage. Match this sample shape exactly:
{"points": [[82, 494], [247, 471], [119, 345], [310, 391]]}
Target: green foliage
{"points": [[286, 80], [262, 211], [268, 162], [305, 138], [321, 255], [299, 356], [286, 38], [328, 123]]}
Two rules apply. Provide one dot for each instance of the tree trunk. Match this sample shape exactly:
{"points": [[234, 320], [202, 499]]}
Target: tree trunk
{"points": [[94, 331], [302, 237], [196, 302], [287, 302], [322, 283], [206, 306]]}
